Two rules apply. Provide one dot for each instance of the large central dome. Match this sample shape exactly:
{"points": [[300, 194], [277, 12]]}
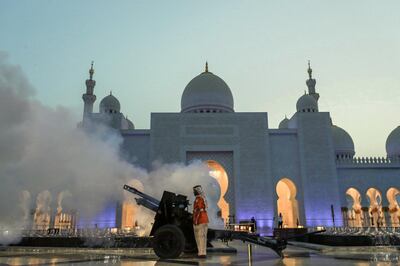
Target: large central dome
{"points": [[207, 93]]}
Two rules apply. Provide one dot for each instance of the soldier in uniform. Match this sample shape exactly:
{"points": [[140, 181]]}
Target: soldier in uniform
{"points": [[200, 221]]}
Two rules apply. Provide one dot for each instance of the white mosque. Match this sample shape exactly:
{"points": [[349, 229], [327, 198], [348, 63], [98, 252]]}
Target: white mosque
{"points": [[305, 170]]}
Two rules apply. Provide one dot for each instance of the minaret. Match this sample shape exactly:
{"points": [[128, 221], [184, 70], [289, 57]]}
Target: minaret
{"points": [[89, 98], [311, 83]]}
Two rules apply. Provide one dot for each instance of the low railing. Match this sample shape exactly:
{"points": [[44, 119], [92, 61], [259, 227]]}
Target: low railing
{"points": [[360, 231], [370, 236], [86, 232]]}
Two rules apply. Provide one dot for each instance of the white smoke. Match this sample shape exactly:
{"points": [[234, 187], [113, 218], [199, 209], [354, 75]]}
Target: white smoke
{"points": [[60, 198], [42, 213], [180, 179], [43, 201], [24, 205], [41, 149]]}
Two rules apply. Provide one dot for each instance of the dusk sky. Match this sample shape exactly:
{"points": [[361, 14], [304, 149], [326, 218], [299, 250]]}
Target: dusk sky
{"points": [[147, 51]]}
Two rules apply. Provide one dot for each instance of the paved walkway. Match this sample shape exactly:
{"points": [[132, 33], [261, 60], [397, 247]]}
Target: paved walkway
{"points": [[297, 254]]}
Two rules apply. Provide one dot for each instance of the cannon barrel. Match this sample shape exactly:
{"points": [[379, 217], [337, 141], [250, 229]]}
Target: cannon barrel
{"points": [[147, 204], [145, 200]]}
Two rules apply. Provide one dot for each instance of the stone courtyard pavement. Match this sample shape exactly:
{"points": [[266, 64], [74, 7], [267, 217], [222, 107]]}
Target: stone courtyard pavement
{"points": [[296, 254]]}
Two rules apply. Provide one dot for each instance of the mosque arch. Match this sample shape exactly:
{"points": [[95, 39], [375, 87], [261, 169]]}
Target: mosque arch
{"points": [[287, 204], [355, 216], [375, 211], [392, 196], [218, 172], [225, 160]]}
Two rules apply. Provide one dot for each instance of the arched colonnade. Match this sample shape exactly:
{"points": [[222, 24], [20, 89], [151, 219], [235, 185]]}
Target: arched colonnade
{"points": [[374, 214]]}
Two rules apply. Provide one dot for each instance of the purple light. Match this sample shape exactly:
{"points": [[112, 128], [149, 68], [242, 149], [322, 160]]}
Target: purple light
{"points": [[322, 216], [104, 219]]}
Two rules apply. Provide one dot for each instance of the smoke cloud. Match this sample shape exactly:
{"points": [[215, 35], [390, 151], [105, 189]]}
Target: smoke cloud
{"points": [[60, 199], [44, 154], [181, 179], [24, 205]]}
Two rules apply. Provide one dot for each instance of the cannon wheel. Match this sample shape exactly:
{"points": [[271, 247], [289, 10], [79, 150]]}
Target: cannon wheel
{"points": [[168, 242]]}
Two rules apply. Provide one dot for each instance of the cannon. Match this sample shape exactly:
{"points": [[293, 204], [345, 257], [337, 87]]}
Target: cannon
{"points": [[172, 232]]}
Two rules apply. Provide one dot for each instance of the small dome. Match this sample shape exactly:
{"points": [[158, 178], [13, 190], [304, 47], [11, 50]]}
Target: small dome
{"points": [[284, 123], [110, 104], [343, 143], [307, 104], [207, 93], [393, 143], [130, 124], [126, 123]]}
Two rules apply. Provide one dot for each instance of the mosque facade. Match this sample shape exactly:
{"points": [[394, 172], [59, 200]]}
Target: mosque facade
{"points": [[305, 169]]}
